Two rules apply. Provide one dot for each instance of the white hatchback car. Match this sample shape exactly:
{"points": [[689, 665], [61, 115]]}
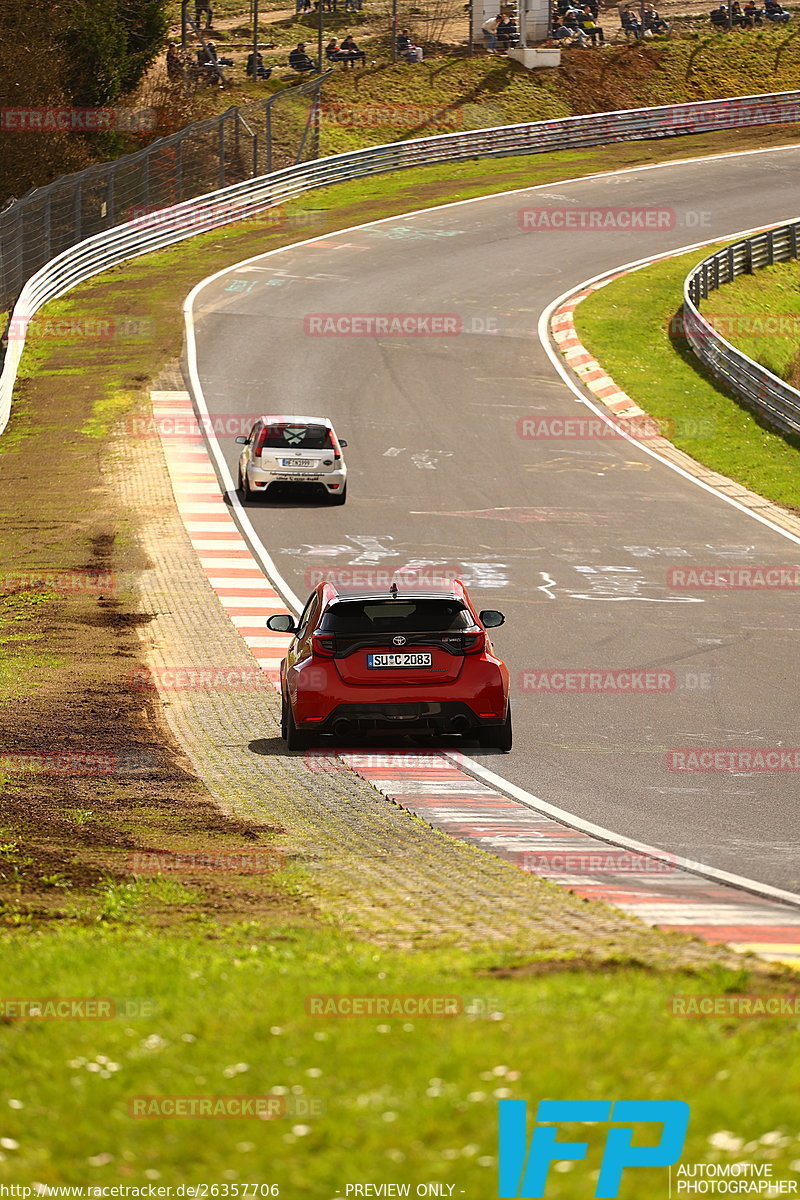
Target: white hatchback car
{"points": [[293, 450]]}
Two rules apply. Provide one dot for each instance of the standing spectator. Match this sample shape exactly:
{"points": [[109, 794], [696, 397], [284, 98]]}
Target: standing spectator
{"points": [[200, 7], [299, 60], [489, 30], [352, 51], [174, 62]]}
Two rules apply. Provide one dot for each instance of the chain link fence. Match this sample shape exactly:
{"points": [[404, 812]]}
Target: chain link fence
{"points": [[237, 145]]}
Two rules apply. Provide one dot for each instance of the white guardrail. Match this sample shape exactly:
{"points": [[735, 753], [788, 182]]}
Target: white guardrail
{"points": [[756, 387], [242, 200]]}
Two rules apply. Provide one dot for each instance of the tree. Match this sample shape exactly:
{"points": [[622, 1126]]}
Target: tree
{"points": [[111, 44]]}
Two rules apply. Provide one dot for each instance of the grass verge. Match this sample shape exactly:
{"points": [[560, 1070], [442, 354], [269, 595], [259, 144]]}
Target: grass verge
{"points": [[630, 327], [758, 314], [369, 1099]]}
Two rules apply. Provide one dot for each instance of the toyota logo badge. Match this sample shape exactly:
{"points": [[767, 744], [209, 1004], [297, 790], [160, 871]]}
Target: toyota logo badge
{"points": [[399, 641]]}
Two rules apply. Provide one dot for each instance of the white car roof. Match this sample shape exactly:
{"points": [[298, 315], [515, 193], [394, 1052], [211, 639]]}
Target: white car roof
{"points": [[293, 420]]}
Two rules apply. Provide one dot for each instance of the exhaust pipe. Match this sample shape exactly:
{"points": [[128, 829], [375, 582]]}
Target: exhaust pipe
{"points": [[341, 727], [459, 723]]}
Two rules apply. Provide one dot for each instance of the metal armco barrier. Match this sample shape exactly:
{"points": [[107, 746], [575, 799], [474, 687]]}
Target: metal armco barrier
{"points": [[757, 388], [168, 226]]}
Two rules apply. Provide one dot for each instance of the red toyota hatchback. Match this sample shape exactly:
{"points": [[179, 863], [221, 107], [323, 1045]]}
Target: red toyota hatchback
{"points": [[389, 662]]}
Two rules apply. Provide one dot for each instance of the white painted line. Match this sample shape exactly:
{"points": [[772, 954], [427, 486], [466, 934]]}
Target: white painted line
{"points": [[606, 835]]}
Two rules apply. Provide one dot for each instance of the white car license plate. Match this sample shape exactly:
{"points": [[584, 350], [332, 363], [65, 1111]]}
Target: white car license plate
{"points": [[298, 462], [421, 659]]}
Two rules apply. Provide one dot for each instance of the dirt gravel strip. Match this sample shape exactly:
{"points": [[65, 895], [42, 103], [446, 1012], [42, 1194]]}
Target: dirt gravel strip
{"points": [[429, 786], [371, 865]]}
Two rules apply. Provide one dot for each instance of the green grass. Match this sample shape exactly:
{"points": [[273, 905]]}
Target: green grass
{"points": [[627, 326], [738, 309], [402, 1099]]}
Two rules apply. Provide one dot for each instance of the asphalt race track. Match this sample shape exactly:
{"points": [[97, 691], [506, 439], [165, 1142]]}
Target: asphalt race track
{"points": [[571, 538]]}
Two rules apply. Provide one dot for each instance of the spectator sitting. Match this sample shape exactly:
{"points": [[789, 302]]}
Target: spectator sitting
{"points": [[571, 23], [590, 27], [629, 22], [352, 51], [503, 34], [719, 17], [513, 35], [255, 66], [299, 60], [560, 31], [302, 6], [333, 52], [774, 12], [753, 13], [406, 48], [653, 21]]}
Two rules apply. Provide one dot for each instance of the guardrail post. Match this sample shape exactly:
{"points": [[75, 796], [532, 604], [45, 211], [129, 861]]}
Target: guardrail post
{"points": [[731, 265], [771, 248], [748, 258], [48, 224], [78, 210], [110, 197], [793, 240], [179, 169], [716, 271]]}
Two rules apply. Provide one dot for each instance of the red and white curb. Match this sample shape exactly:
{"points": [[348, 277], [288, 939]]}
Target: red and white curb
{"points": [[588, 369], [433, 785], [224, 555]]}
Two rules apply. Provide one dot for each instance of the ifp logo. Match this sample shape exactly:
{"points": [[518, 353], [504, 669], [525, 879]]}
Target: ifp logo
{"points": [[524, 1170]]}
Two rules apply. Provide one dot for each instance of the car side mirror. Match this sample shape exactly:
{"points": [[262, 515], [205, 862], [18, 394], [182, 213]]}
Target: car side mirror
{"points": [[342, 443], [282, 623], [242, 441], [490, 618]]}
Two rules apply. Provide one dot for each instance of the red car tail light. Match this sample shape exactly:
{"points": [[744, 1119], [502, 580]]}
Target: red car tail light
{"points": [[322, 645], [474, 643], [259, 442], [337, 449]]}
